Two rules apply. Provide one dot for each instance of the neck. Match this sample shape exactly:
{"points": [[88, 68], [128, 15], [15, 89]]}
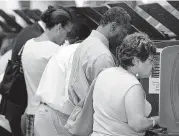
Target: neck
{"points": [[103, 31], [44, 37], [132, 70]]}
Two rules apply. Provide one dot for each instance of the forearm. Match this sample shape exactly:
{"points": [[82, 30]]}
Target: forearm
{"points": [[143, 124]]}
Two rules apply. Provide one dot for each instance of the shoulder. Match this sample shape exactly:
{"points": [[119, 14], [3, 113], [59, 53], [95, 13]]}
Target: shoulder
{"points": [[30, 28], [125, 77], [27, 33]]}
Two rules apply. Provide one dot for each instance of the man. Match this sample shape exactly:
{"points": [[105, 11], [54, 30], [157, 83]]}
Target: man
{"points": [[93, 54]]}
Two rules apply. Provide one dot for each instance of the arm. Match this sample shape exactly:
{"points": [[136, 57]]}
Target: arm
{"points": [[135, 106], [94, 67]]}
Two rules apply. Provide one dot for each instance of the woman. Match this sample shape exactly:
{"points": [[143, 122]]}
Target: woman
{"points": [[37, 53], [120, 105], [52, 91]]}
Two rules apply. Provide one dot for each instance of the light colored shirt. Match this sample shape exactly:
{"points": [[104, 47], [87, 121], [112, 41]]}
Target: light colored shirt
{"points": [[35, 57], [53, 87], [90, 58], [109, 93]]}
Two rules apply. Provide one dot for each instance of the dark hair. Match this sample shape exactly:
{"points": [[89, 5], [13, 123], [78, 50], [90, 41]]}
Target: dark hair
{"points": [[55, 15], [135, 45], [118, 15], [80, 31]]}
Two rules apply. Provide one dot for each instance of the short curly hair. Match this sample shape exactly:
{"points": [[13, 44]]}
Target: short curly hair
{"points": [[55, 15], [118, 15], [135, 45]]}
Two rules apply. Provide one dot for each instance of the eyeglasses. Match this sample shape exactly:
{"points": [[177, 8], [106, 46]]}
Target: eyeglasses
{"points": [[152, 60]]}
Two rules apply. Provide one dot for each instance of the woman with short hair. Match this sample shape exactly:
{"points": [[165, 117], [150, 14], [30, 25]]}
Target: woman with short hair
{"points": [[119, 101]]}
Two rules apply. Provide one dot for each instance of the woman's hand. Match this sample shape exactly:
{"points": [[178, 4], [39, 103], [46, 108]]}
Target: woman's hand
{"points": [[155, 120]]}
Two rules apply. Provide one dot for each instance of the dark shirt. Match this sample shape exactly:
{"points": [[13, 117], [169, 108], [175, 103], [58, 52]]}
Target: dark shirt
{"points": [[27, 33]]}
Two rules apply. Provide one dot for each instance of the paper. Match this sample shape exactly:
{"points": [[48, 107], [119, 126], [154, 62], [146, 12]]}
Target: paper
{"points": [[154, 79]]}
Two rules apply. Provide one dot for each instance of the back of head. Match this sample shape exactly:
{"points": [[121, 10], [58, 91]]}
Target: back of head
{"points": [[118, 15], [55, 15], [79, 32]]}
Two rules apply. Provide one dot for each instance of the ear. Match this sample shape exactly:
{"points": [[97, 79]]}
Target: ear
{"points": [[113, 26], [136, 61], [59, 26]]}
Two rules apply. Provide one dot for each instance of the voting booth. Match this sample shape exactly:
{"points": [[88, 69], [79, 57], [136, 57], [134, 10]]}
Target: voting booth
{"points": [[169, 89]]}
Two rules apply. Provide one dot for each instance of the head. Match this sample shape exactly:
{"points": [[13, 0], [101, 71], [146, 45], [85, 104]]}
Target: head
{"points": [[136, 54], [58, 23], [79, 32], [115, 22]]}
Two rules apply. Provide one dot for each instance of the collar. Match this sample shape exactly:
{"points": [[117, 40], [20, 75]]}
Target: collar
{"points": [[42, 25], [103, 39]]}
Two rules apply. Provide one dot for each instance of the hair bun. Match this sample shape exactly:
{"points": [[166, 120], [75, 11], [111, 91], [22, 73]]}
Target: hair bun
{"points": [[51, 8], [54, 16], [47, 17]]}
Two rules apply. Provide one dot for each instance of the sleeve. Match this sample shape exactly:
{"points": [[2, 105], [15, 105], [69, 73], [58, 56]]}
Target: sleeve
{"points": [[26, 34], [95, 66], [53, 79]]}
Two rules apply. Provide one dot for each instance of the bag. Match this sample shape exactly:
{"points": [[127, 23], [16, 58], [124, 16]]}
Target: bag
{"points": [[13, 89], [80, 122]]}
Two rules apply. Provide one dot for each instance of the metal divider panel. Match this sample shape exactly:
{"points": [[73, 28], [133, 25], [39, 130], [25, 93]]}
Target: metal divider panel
{"points": [[139, 22], [11, 22], [33, 14], [101, 10], [5, 27], [91, 13], [175, 4], [24, 16], [163, 16], [88, 19]]}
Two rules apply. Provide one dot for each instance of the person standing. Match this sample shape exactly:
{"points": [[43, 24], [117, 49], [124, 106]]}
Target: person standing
{"points": [[123, 109], [52, 91], [38, 51], [93, 54]]}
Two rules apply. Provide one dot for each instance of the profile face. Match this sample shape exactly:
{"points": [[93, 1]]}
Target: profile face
{"points": [[62, 33], [145, 68]]}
